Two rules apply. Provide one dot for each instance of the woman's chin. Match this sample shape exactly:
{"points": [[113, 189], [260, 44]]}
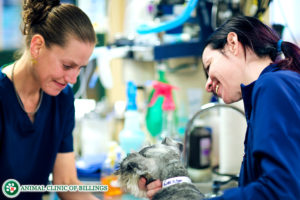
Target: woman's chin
{"points": [[226, 101], [229, 100], [52, 92]]}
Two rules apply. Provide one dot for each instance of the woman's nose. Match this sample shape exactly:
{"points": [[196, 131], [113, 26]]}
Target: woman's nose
{"points": [[71, 75], [209, 85]]}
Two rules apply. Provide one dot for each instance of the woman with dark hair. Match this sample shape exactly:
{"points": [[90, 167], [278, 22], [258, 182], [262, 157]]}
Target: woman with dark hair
{"points": [[245, 59], [36, 102]]}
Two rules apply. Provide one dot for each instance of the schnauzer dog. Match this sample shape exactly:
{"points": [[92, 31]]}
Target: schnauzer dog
{"points": [[160, 161]]}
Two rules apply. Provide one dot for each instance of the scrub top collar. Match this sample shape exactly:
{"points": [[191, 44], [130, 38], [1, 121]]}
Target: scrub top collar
{"points": [[248, 89]]}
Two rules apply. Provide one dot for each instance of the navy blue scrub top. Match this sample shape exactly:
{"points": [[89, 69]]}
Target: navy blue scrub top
{"points": [[271, 164], [28, 150]]}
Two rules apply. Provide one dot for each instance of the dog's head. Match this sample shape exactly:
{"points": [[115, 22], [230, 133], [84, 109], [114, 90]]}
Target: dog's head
{"points": [[150, 162]]}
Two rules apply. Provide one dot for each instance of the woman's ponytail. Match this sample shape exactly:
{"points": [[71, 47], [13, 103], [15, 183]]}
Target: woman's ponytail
{"points": [[291, 60]]}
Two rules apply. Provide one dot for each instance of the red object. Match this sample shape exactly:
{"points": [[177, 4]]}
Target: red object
{"points": [[12, 189], [165, 90]]}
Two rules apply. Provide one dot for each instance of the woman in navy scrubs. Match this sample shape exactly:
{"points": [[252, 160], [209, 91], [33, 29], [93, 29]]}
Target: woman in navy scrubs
{"points": [[36, 102], [245, 59]]}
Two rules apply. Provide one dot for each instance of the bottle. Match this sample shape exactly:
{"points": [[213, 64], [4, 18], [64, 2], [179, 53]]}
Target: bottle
{"points": [[132, 137], [109, 166], [199, 160], [168, 108], [154, 115]]}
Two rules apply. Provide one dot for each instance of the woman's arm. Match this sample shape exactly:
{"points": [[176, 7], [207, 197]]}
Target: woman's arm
{"points": [[64, 173]]}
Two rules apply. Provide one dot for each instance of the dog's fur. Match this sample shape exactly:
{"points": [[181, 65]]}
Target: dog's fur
{"points": [[160, 161]]}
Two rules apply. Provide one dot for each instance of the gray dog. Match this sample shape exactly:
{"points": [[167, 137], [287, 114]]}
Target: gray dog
{"points": [[160, 161]]}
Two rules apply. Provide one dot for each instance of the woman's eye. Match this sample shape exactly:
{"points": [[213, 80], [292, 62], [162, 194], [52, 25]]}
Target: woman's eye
{"points": [[67, 67], [207, 71]]}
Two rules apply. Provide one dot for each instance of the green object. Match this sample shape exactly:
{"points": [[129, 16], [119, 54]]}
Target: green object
{"points": [[168, 107], [7, 56], [154, 115], [100, 39]]}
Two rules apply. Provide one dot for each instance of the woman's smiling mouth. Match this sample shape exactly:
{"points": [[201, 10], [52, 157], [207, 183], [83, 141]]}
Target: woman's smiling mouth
{"points": [[61, 85]]}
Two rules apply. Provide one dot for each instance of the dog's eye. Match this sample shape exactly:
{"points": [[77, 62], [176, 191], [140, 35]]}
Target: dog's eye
{"points": [[131, 166]]}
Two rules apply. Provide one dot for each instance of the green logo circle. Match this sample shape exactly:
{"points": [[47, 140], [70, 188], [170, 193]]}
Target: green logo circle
{"points": [[11, 188]]}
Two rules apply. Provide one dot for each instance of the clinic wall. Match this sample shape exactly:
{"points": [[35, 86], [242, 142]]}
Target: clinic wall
{"points": [[123, 70]]}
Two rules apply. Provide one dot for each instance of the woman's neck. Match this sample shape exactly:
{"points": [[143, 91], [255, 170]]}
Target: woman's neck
{"points": [[24, 81], [26, 87], [254, 67]]}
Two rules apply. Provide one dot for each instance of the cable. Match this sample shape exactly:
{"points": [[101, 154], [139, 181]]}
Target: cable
{"points": [[218, 183], [165, 26]]}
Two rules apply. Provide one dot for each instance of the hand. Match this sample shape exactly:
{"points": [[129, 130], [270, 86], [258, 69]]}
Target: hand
{"points": [[151, 188]]}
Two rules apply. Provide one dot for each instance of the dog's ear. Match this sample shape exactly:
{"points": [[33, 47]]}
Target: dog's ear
{"points": [[168, 141]]}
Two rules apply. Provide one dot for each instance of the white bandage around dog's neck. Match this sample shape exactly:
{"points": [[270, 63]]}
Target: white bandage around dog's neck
{"points": [[175, 180]]}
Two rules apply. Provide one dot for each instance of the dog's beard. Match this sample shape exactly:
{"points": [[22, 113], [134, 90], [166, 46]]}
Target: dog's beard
{"points": [[129, 183], [149, 163]]}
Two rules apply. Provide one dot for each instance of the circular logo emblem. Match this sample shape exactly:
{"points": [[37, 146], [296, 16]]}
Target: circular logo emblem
{"points": [[11, 188]]}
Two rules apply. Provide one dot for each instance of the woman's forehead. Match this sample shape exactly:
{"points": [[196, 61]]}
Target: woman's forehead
{"points": [[206, 54]]}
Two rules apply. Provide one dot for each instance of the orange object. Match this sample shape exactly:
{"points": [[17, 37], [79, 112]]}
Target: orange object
{"points": [[113, 186]]}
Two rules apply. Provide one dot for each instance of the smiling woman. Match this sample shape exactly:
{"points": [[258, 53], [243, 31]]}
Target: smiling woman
{"points": [[224, 70], [246, 59], [59, 66], [36, 103]]}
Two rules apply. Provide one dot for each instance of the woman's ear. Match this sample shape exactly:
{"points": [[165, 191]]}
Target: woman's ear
{"points": [[233, 43], [36, 44]]}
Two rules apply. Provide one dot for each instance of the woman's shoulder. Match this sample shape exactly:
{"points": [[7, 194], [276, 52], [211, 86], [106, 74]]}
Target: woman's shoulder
{"points": [[278, 78], [281, 82], [3, 83]]}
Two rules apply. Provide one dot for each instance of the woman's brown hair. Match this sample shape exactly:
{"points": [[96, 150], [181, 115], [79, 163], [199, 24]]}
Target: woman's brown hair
{"points": [[56, 22]]}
